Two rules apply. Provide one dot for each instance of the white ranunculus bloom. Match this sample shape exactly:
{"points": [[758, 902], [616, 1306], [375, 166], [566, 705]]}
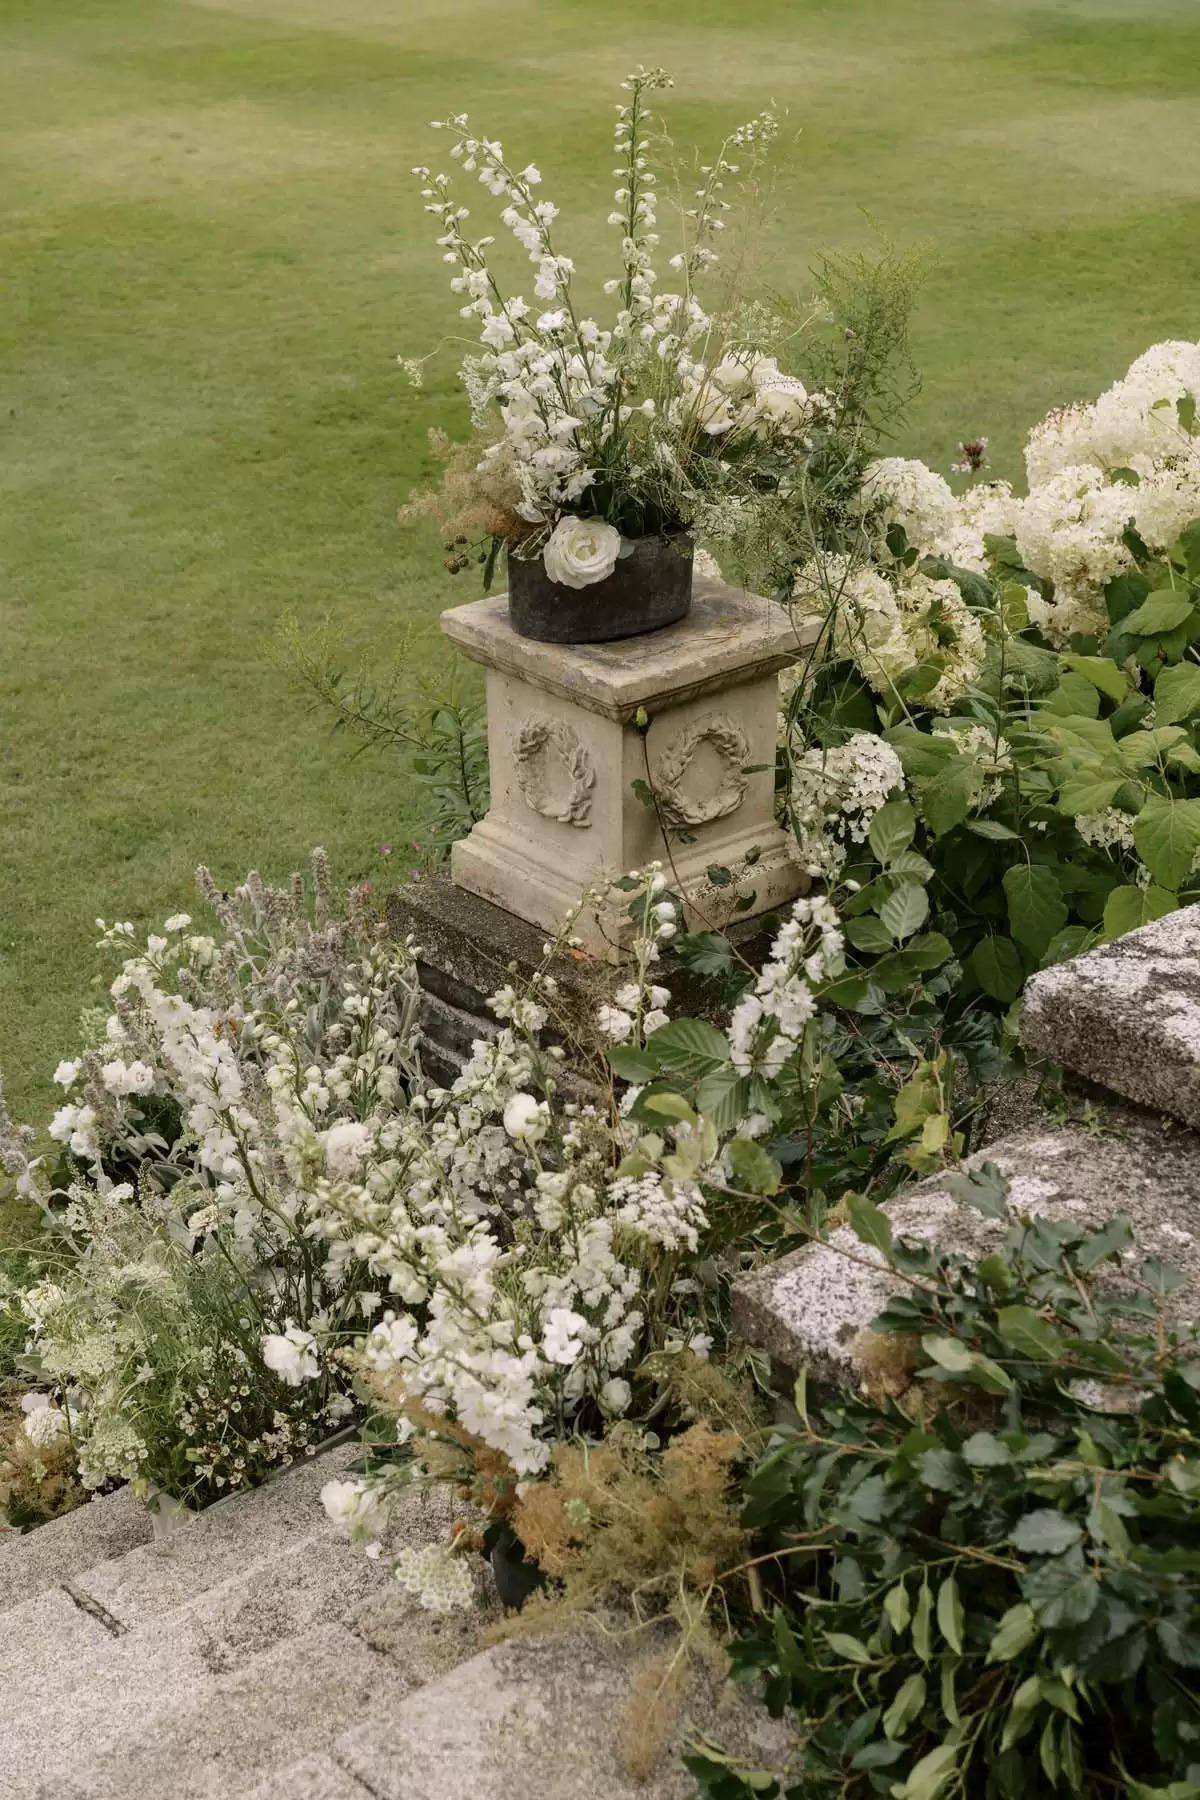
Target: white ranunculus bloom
{"points": [[580, 552], [292, 1355]]}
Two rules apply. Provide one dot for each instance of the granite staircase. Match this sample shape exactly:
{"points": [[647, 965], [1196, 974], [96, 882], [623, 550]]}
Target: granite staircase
{"points": [[1124, 1022], [253, 1654]]}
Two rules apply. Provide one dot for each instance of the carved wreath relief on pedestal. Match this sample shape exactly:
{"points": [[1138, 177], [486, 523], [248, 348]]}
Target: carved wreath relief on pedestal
{"points": [[555, 737], [726, 737]]}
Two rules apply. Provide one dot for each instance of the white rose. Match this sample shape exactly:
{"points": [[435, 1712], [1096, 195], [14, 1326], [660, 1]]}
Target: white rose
{"points": [[615, 1395], [581, 551], [782, 404]]}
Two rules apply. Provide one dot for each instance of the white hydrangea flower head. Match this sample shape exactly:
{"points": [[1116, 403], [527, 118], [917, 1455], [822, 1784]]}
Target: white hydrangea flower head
{"points": [[989, 509], [836, 793], [1065, 439], [899, 490], [1167, 499], [1137, 419], [1069, 530]]}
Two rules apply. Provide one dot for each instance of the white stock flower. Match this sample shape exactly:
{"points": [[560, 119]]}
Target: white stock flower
{"points": [[291, 1355], [562, 1340], [580, 552], [345, 1147]]}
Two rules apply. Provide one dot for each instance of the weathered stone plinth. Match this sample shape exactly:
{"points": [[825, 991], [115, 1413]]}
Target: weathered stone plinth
{"points": [[568, 738], [469, 948]]}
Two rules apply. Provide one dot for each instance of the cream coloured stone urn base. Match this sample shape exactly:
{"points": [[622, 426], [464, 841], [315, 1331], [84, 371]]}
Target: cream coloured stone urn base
{"points": [[687, 713]]}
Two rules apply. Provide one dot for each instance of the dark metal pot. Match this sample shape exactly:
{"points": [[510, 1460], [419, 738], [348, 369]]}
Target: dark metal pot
{"points": [[649, 588], [516, 1578]]}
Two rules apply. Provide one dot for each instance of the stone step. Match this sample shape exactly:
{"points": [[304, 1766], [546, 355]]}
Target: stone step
{"points": [[122, 1677], [103, 1528], [807, 1309], [1128, 1015], [218, 1739], [205, 1551], [316, 1778], [537, 1719]]}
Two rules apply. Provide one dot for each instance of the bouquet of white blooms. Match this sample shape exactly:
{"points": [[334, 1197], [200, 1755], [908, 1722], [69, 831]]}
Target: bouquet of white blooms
{"points": [[672, 418]]}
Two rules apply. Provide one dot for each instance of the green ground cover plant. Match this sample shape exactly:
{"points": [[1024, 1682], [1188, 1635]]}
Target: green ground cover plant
{"points": [[213, 256]]}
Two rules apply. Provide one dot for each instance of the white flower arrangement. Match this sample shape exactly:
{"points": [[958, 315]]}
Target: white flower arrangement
{"points": [[591, 433]]}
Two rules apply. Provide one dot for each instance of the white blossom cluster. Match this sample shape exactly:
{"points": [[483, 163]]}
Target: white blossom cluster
{"points": [[834, 795], [767, 1024], [662, 408], [889, 625], [638, 1006]]}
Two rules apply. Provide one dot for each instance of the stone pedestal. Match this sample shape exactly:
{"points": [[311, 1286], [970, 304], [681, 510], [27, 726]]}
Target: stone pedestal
{"points": [[688, 712]]}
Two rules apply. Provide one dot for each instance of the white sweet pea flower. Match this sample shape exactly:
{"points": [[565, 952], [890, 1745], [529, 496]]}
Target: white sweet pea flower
{"points": [[580, 552], [526, 1118], [292, 1355], [614, 1023]]}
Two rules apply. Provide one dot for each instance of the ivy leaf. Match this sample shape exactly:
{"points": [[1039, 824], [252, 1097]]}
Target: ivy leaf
{"points": [[1036, 909], [950, 1616], [1015, 1632], [753, 1167], [1167, 835], [1045, 1533], [996, 965], [898, 1607], [1028, 1334], [870, 1224], [928, 1777], [847, 1647], [904, 911], [906, 1706]]}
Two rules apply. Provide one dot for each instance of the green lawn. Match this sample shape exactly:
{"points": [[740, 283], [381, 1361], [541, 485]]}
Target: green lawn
{"points": [[213, 252]]}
